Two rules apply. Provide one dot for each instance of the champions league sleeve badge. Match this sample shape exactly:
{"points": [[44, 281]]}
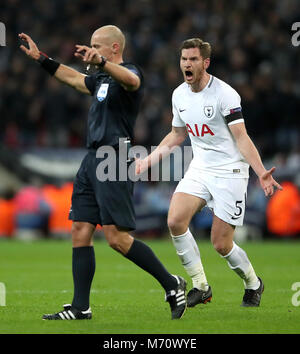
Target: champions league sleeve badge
{"points": [[102, 92]]}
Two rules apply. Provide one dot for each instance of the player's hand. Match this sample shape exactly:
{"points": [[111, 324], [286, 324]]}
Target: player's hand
{"points": [[33, 51], [140, 166], [87, 54], [268, 183]]}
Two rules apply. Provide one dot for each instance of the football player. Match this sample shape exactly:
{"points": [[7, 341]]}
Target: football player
{"points": [[209, 111]]}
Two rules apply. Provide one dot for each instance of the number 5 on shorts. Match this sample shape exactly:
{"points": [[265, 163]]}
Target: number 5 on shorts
{"points": [[239, 211]]}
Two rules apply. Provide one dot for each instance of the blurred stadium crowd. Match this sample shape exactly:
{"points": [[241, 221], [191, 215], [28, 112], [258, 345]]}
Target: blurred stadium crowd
{"points": [[252, 51]]}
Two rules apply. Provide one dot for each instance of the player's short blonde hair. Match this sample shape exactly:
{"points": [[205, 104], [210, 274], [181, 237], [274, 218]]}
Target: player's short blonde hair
{"points": [[204, 47]]}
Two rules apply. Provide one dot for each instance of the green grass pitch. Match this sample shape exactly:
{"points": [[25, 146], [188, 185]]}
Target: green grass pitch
{"points": [[125, 299]]}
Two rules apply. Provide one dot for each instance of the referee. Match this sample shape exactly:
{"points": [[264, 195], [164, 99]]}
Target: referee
{"points": [[117, 90]]}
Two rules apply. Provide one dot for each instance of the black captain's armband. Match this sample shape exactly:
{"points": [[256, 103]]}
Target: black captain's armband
{"points": [[235, 113], [48, 64]]}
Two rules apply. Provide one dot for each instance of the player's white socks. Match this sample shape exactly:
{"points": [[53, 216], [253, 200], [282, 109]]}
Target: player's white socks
{"points": [[238, 261], [188, 252]]}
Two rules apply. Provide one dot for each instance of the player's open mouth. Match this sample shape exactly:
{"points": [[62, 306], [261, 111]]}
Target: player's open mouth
{"points": [[188, 75]]}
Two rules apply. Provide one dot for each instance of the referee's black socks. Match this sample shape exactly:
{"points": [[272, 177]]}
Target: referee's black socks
{"points": [[84, 265], [83, 268], [142, 255]]}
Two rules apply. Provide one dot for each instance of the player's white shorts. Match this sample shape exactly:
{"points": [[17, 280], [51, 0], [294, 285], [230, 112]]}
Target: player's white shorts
{"points": [[225, 196]]}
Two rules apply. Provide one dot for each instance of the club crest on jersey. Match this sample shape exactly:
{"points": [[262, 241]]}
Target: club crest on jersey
{"points": [[208, 111], [102, 92]]}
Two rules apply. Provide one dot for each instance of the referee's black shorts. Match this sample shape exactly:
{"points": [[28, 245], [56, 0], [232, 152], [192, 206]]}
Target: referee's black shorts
{"points": [[103, 203]]}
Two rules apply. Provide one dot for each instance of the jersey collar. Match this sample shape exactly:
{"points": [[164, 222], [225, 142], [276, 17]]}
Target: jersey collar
{"points": [[207, 86]]}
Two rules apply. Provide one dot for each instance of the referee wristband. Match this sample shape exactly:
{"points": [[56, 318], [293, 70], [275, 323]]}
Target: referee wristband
{"points": [[103, 61], [48, 64]]}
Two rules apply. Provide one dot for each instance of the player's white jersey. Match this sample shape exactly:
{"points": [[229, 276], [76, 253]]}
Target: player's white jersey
{"points": [[206, 115]]}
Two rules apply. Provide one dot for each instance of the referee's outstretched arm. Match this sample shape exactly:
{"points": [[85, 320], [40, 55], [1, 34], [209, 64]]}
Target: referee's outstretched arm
{"points": [[91, 55], [73, 78], [61, 72]]}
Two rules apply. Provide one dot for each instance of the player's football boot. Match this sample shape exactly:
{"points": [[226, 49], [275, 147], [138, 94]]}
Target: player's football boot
{"points": [[252, 297], [69, 313], [177, 298], [196, 296]]}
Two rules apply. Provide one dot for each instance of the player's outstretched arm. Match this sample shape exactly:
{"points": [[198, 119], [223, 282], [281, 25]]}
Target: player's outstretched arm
{"points": [[250, 153], [61, 72], [169, 142]]}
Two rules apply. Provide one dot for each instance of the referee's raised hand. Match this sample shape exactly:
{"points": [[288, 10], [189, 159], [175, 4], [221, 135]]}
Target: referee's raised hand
{"points": [[87, 54], [33, 51]]}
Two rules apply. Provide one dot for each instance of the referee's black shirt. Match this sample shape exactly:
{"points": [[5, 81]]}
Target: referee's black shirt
{"points": [[113, 111]]}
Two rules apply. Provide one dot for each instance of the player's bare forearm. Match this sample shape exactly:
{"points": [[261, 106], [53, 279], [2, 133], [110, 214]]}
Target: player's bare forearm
{"points": [[251, 155], [247, 148], [166, 146], [176, 137]]}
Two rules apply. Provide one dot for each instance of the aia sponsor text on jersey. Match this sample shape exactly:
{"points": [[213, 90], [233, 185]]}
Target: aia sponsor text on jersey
{"points": [[200, 130]]}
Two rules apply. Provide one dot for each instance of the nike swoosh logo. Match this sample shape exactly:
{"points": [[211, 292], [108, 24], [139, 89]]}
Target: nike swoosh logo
{"points": [[181, 110], [235, 217], [181, 253]]}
